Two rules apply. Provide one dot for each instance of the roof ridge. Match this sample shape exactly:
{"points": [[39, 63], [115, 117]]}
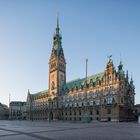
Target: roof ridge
{"points": [[73, 80], [84, 78], [95, 74], [43, 91]]}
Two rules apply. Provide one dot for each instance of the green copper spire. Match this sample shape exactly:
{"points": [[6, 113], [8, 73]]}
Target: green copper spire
{"points": [[57, 26], [121, 62], [127, 77], [57, 45], [131, 81], [57, 20], [28, 91], [120, 65], [120, 69]]}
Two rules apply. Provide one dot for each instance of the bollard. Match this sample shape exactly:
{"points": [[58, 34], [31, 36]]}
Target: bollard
{"points": [[139, 119]]}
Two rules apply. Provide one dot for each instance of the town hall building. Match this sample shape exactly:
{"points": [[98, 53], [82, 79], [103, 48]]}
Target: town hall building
{"points": [[106, 96]]}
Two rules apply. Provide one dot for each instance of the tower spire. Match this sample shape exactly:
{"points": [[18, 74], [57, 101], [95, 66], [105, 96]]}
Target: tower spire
{"points": [[57, 20], [120, 69], [132, 82], [28, 91], [57, 45], [131, 78], [57, 24], [127, 75]]}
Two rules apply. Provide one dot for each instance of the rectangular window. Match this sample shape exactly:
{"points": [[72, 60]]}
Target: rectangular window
{"points": [[108, 111], [97, 112], [91, 103], [109, 100], [80, 104], [97, 101], [75, 104]]}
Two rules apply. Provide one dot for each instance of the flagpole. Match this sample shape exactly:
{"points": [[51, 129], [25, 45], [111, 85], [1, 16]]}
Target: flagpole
{"points": [[86, 116], [86, 81]]}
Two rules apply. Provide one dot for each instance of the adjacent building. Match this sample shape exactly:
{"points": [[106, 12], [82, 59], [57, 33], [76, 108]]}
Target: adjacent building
{"points": [[105, 96], [17, 110], [137, 111], [4, 112]]}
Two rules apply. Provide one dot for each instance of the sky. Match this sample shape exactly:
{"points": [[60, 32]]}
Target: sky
{"points": [[92, 29]]}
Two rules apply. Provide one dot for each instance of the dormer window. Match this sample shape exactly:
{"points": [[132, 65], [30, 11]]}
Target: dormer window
{"points": [[91, 83], [85, 84]]}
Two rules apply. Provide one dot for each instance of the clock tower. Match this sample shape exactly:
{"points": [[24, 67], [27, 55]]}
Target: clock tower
{"points": [[57, 65]]}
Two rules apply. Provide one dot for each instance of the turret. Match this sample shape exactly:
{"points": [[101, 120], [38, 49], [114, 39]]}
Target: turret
{"points": [[127, 77], [120, 69], [131, 81]]}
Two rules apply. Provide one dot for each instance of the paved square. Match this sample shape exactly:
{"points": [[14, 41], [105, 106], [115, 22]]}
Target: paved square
{"points": [[43, 130]]}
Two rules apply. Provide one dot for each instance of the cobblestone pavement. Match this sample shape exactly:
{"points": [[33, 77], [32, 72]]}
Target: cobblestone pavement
{"points": [[43, 130]]}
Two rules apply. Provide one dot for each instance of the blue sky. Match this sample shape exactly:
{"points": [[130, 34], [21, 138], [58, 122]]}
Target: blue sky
{"points": [[90, 29]]}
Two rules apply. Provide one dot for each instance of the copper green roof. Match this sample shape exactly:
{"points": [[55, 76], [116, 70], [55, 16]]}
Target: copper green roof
{"points": [[43, 93], [94, 77], [79, 81]]}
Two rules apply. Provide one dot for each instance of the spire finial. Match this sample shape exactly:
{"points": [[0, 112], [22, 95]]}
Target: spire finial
{"points": [[109, 57], [121, 64], [131, 77], [120, 59], [131, 80]]}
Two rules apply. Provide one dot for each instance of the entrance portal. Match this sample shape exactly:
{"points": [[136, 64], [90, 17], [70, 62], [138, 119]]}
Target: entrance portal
{"points": [[109, 119]]}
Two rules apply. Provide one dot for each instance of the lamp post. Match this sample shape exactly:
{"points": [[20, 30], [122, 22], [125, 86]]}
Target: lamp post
{"points": [[20, 111], [62, 111], [49, 112], [10, 108]]}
